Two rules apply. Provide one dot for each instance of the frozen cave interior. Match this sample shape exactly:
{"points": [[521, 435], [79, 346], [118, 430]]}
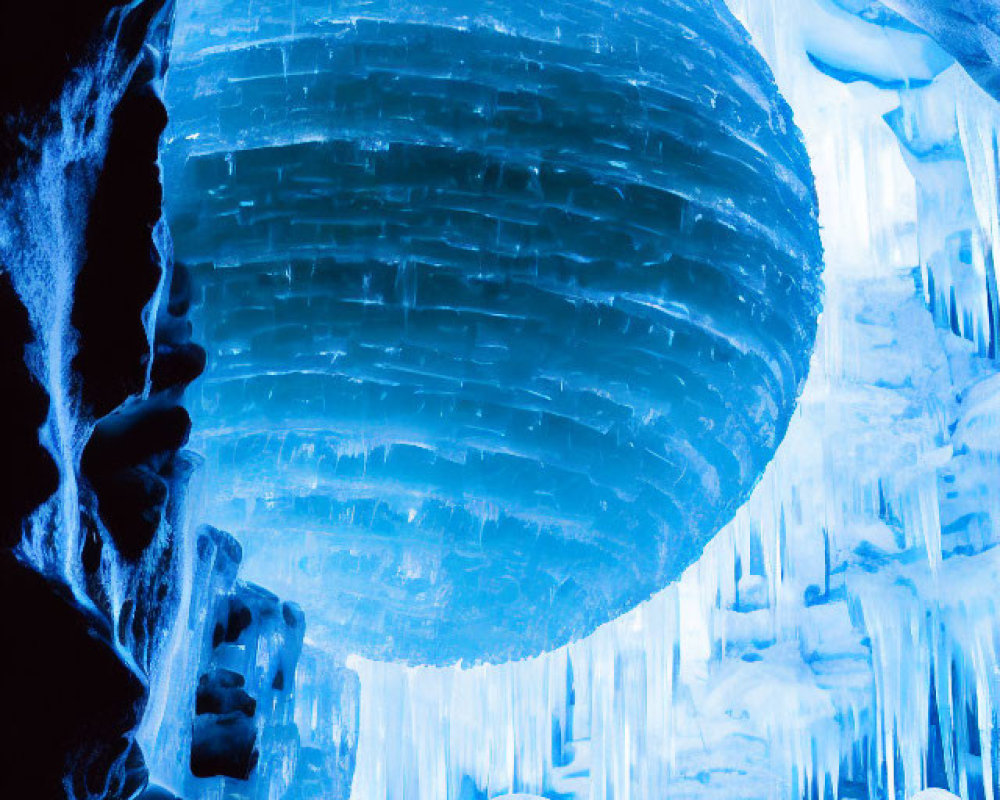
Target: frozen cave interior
{"points": [[482, 399]]}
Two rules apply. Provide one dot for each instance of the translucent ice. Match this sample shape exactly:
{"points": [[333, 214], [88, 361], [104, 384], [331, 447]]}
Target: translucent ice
{"points": [[508, 308], [837, 639]]}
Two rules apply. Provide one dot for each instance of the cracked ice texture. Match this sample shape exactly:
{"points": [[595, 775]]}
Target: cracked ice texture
{"points": [[508, 308]]}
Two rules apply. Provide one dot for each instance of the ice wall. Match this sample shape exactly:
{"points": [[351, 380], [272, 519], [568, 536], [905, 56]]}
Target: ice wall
{"points": [[839, 638]]}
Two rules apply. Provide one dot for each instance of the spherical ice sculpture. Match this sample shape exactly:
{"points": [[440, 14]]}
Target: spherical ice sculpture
{"points": [[507, 304]]}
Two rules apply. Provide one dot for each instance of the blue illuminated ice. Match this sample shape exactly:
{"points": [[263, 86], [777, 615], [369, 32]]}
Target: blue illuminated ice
{"points": [[839, 638], [836, 639], [508, 307]]}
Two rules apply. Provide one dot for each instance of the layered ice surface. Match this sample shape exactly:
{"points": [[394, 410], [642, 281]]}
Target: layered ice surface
{"points": [[839, 638], [507, 306]]}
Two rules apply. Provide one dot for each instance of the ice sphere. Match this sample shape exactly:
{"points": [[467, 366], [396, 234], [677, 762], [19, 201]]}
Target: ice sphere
{"points": [[507, 306]]}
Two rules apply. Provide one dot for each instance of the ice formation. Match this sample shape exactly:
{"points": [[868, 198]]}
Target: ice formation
{"points": [[508, 309], [837, 638]]}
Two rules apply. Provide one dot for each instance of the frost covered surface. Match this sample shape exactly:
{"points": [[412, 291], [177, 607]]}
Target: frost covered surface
{"points": [[508, 308]]}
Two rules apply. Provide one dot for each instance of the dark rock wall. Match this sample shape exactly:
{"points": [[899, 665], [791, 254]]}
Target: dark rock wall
{"points": [[95, 353], [71, 700]]}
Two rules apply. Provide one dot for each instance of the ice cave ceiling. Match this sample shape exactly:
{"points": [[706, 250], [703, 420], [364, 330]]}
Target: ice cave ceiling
{"points": [[507, 306]]}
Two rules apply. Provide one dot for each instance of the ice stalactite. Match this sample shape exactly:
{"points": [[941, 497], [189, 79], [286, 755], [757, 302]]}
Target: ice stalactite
{"points": [[978, 121]]}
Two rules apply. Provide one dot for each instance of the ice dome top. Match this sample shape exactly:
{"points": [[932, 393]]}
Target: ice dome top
{"points": [[507, 304]]}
